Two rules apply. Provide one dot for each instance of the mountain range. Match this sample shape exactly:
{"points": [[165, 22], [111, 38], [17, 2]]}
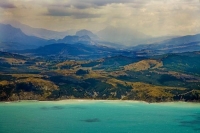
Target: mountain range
{"points": [[13, 39], [40, 32], [115, 35], [181, 44]]}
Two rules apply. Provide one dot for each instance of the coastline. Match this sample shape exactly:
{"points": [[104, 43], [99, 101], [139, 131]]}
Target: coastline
{"points": [[71, 101]]}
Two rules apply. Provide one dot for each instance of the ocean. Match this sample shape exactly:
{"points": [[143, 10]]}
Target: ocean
{"points": [[91, 116]]}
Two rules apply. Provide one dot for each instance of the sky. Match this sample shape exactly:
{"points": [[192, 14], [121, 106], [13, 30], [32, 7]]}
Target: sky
{"points": [[151, 17]]}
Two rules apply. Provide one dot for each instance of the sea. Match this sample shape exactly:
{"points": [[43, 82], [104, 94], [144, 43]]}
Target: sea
{"points": [[99, 116]]}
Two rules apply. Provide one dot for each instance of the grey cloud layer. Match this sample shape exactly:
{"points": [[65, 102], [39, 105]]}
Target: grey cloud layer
{"points": [[78, 8], [83, 4], [74, 14], [6, 4]]}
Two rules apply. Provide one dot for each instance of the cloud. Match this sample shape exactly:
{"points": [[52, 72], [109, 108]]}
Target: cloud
{"points": [[106, 2], [80, 4], [5, 4], [73, 13], [152, 17]]}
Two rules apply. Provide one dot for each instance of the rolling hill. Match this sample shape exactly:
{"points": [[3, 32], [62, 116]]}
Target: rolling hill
{"points": [[77, 50], [170, 77]]}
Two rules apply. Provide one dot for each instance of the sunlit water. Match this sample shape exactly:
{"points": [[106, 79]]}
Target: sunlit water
{"points": [[80, 116]]}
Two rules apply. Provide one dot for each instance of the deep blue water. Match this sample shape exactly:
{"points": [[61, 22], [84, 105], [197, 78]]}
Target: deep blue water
{"points": [[77, 116]]}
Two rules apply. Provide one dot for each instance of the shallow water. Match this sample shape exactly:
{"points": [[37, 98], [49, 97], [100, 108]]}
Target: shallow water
{"points": [[84, 116]]}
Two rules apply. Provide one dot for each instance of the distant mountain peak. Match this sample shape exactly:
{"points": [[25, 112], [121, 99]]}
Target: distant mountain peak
{"points": [[13, 38], [122, 35], [8, 27], [85, 32], [76, 39]]}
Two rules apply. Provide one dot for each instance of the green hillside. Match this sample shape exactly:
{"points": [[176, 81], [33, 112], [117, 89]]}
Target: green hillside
{"points": [[185, 62], [160, 78]]}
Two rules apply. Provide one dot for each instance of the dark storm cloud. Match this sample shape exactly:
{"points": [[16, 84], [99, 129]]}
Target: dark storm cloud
{"points": [[78, 8], [5, 4], [74, 14], [80, 4]]}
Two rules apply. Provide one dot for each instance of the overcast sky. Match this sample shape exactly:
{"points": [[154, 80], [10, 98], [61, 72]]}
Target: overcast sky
{"points": [[152, 17]]}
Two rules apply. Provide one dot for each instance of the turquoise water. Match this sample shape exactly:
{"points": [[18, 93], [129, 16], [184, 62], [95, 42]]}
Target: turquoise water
{"points": [[78, 116]]}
